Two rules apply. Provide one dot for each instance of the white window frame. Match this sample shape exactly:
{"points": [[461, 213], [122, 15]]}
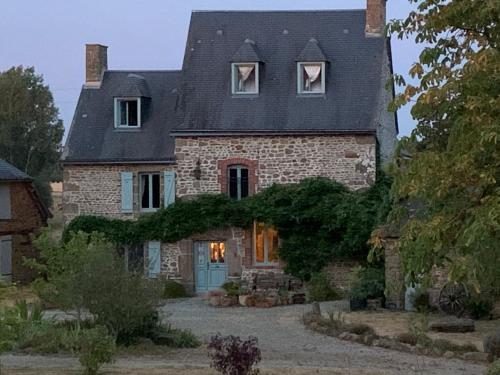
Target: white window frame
{"points": [[266, 248], [150, 192], [234, 78], [117, 102], [300, 78]]}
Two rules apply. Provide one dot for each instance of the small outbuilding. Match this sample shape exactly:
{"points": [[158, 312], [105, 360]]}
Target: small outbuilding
{"points": [[22, 214]]}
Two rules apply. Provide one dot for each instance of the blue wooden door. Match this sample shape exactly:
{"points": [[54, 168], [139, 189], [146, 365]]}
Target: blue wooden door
{"points": [[210, 265]]}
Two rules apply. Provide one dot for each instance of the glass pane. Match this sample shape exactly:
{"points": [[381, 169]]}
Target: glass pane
{"points": [[233, 183], [217, 252], [123, 113], [156, 191], [259, 243], [132, 113], [145, 191], [244, 182], [136, 258], [273, 243], [312, 76]]}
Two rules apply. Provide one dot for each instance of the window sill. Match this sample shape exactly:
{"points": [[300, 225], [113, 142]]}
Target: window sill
{"points": [[249, 95], [127, 128], [312, 95], [266, 266], [148, 211]]}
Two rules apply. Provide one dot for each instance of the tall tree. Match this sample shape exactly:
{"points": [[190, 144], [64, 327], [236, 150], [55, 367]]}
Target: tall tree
{"points": [[30, 130], [454, 168]]}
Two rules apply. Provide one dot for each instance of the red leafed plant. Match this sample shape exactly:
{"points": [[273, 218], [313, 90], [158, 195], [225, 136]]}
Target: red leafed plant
{"points": [[232, 356]]}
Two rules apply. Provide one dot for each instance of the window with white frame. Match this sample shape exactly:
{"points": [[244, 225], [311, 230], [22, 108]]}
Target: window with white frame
{"points": [[266, 243], [311, 78], [127, 112], [149, 191], [245, 78]]}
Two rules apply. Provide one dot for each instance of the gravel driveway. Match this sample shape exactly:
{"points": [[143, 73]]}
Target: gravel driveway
{"points": [[285, 342]]}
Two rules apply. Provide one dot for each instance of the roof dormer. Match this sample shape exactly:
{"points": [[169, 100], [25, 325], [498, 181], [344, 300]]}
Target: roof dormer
{"points": [[311, 69], [128, 101], [245, 69]]}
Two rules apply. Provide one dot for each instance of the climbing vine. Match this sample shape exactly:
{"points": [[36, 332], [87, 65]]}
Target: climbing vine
{"points": [[317, 219]]}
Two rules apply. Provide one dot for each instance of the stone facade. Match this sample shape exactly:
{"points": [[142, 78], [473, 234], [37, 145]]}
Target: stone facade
{"points": [[348, 159], [28, 215], [341, 275], [96, 189]]}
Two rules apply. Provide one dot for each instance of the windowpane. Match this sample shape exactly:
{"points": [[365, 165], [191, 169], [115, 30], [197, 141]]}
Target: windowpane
{"points": [[132, 113], [217, 252], [245, 78], [156, 191], [233, 183], [259, 243], [273, 244], [123, 113], [135, 259], [311, 78], [145, 191], [244, 182]]}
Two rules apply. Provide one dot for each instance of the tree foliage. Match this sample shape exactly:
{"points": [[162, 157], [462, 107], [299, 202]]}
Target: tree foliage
{"points": [[454, 168], [317, 219], [30, 130]]}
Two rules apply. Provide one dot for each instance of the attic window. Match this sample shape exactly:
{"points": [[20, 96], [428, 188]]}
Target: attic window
{"points": [[311, 78], [245, 78], [127, 112]]}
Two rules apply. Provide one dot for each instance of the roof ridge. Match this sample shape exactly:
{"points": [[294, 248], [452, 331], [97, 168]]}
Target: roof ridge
{"points": [[278, 10], [144, 70]]}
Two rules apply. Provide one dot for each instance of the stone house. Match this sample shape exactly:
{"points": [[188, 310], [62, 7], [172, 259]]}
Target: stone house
{"points": [[262, 98], [22, 214]]}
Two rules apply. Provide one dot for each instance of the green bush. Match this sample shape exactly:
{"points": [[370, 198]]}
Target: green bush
{"points": [[494, 368], [174, 338], [232, 288], [369, 283], [479, 308], [173, 289], [319, 288], [97, 347], [421, 301]]}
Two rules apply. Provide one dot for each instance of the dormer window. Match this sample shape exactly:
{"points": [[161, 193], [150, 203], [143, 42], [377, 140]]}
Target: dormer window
{"points": [[127, 112], [245, 78], [311, 78]]}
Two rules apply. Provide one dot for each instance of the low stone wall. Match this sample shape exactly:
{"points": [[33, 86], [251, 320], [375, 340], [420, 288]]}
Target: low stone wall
{"points": [[341, 275]]}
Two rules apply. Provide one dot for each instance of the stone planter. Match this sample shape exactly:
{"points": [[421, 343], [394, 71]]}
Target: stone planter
{"points": [[214, 301], [245, 299], [228, 301]]}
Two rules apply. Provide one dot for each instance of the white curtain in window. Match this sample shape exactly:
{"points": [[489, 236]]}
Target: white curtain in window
{"points": [[313, 72], [245, 72]]}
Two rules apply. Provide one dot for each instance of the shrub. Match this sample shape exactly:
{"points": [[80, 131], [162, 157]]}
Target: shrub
{"points": [[319, 288], [479, 308], [408, 338], [232, 288], [232, 356], [174, 338], [173, 289], [96, 349], [494, 368], [421, 301], [446, 345], [492, 345], [369, 283]]}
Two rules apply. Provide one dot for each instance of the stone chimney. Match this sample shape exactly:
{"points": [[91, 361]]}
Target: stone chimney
{"points": [[96, 63], [375, 17]]}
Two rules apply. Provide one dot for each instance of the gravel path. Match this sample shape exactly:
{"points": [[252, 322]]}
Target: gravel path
{"points": [[283, 339], [285, 342]]}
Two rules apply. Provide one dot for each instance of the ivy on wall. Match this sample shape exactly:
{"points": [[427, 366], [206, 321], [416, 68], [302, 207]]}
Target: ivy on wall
{"points": [[318, 220]]}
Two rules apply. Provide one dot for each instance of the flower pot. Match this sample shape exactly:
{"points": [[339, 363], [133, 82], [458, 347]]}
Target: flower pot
{"points": [[243, 299], [214, 300], [227, 301]]}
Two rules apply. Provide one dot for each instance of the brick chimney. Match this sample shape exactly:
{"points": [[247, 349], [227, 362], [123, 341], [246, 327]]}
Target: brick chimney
{"points": [[375, 17], [96, 63]]}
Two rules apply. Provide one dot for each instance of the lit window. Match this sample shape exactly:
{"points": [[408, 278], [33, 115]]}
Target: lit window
{"points": [[266, 244], [238, 182], [150, 192], [127, 113], [217, 252], [311, 78], [245, 78]]}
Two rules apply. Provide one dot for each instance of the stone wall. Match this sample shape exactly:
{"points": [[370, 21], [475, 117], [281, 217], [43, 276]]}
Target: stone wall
{"points": [[96, 189], [27, 217], [348, 159], [341, 275], [394, 276]]}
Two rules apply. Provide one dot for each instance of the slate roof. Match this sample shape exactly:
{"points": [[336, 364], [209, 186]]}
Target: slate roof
{"points": [[247, 53], [353, 80], [311, 53], [10, 173], [93, 137]]}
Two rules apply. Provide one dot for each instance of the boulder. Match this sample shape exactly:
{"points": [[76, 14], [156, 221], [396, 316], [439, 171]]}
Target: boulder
{"points": [[478, 357], [448, 354], [452, 324]]}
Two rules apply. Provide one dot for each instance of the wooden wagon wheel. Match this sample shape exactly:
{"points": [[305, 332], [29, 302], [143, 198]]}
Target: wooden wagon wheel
{"points": [[453, 297]]}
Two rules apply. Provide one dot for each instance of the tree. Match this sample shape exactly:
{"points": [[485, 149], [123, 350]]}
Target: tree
{"points": [[454, 167], [30, 130]]}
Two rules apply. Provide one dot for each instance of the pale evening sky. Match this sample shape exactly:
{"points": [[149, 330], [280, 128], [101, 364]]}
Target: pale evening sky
{"points": [[50, 35]]}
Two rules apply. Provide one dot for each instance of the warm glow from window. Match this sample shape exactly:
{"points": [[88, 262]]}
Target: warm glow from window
{"points": [[266, 244], [217, 252]]}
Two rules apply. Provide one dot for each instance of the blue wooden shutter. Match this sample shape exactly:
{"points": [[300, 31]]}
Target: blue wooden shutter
{"points": [[154, 258], [169, 187], [127, 192]]}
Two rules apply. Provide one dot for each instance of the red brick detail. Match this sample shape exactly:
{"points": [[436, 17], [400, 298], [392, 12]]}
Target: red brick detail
{"points": [[223, 165]]}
